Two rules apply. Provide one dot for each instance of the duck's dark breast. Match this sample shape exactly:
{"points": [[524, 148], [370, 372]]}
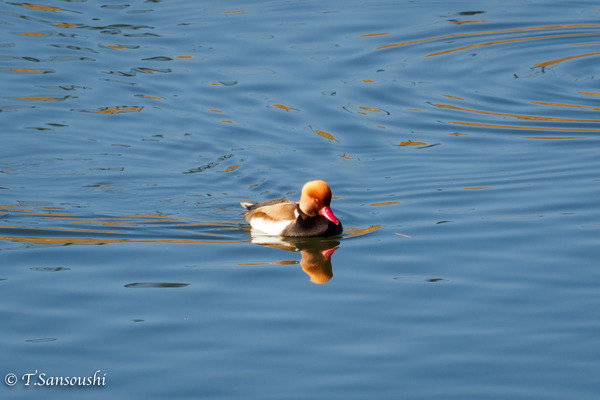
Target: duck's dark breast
{"points": [[312, 227]]}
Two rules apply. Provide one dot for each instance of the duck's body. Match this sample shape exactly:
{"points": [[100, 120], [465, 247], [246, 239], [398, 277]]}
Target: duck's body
{"points": [[309, 217]]}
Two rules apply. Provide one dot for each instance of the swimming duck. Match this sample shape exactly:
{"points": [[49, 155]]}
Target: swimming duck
{"points": [[309, 217]]}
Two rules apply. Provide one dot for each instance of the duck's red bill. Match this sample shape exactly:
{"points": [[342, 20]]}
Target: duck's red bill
{"points": [[327, 213], [327, 253]]}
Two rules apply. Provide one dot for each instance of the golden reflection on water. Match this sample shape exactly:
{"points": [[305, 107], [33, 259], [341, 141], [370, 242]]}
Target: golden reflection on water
{"points": [[475, 21], [375, 34], [525, 117], [543, 103], [553, 62], [369, 109], [57, 229], [403, 235], [476, 45], [152, 97], [40, 7], [118, 228], [114, 110], [29, 70], [105, 241], [412, 143], [386, 203], [37, 98], [229, 169], [517, 116], [65, 25], [282, 107], [496, 32], [453, 97], [355, 232], [554, 137], [325, 135], [534, 128]]}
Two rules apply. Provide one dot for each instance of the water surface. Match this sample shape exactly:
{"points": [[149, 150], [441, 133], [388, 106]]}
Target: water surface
{"points": [[461, 143]]}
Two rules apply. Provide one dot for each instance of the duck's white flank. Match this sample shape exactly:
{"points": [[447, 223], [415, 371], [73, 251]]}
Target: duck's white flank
{"points": [[268, 226]]}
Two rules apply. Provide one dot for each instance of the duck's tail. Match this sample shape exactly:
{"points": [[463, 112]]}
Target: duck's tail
{"points": [[246, 205]]}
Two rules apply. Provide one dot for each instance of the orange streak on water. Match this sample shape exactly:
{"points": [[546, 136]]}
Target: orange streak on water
{"points": [[233, 167], [27, 70], [138, 220], [387, 203], [325, 135], [114, 110], [370, 109], [411, 143], [543, 103], [536, 28], [533, 128], [41, 8], [37, 98], [353, 232], [400, 234], [473, 46], [554, 62], [111, 241], [475, 21], [553, 138], [282, 107], [452, 97], [375, 34], [517, 116], [42, 214], [57, 229], [589, 93]]}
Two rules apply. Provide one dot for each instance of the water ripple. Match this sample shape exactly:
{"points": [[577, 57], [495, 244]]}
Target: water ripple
{"points": [[49, 226]]}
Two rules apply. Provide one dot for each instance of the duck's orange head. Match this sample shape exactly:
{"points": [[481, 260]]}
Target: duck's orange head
{"points": [[316, 199]]}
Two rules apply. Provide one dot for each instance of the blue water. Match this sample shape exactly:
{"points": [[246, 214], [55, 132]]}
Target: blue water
{"points": [[460, 140]]}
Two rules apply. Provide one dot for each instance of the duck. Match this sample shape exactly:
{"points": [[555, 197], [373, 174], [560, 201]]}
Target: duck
{"points": [[309, 217]]}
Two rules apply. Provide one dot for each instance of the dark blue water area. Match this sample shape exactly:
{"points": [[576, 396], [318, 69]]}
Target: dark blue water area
{"points": [[460, 140]]}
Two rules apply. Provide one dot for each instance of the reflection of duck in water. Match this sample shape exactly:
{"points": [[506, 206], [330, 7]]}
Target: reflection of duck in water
{"points": [[317, 264], [309, 217], [316, 254]]}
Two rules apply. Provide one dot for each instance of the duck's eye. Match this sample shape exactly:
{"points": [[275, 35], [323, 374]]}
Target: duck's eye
{"points": [[317, 201]]}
